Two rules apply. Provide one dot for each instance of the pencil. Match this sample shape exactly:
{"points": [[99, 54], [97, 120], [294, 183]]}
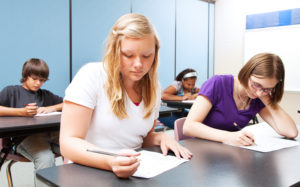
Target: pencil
{"points": [[104, 152], [239, 128], [30, 104]]}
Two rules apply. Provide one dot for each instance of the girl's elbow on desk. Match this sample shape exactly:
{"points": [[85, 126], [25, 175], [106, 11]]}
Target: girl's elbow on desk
{"points": [[292, 134]]}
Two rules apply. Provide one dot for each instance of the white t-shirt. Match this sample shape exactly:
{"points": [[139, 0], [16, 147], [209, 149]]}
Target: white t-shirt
{"points": [[106, 130], [177, 85]]}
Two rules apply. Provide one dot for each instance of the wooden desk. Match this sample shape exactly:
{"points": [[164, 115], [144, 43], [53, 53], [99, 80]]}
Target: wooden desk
{"points": [[16, 128], [165, 111], [178, 104], [213, 164], [23, 126]]}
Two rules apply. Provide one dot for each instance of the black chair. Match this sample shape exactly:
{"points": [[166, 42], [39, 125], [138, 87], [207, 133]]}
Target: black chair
{"points": [[7, 146], [11, 156]]}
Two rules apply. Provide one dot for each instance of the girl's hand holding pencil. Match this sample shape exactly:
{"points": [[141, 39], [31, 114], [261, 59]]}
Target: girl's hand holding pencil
{"points": [[124, 163], [239, 138]]}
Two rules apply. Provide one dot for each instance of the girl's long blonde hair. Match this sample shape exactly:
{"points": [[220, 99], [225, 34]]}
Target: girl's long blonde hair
{"points": [[131, 26]]}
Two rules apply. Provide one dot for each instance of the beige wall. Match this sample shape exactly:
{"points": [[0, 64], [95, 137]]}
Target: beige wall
{"points": [[229, 40]]}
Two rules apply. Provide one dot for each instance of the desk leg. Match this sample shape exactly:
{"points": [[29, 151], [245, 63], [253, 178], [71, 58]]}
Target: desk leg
{"points": [[3, 155]]}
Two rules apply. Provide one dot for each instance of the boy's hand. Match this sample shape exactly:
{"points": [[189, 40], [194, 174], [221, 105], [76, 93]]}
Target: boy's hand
{"points": [[30, 109]]}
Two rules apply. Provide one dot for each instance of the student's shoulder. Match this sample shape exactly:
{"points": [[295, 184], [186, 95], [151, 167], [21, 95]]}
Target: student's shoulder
{"points": [[47, 93], [92, 66], [221, 78], [12, 88], [92, 69], [176, 84]]}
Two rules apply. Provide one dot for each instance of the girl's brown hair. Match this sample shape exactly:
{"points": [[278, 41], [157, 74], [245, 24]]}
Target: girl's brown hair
{"points": [[131, 26], [265, 65]]}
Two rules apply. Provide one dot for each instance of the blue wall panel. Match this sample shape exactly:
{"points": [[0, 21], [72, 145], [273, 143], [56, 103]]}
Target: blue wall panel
{"points": [[40, 29], [273, 19], [162, 15], [35, 28], [211, 40], [91, 23], [192, 37]]}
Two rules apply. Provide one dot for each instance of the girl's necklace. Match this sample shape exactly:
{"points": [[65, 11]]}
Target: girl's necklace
{"points": [[245, 102]]}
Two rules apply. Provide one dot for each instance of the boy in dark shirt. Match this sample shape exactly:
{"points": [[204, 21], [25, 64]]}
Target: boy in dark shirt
{"points": [[28, 100]]}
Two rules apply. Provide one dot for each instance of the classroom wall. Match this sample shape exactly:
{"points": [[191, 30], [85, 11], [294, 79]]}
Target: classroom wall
{"points": [[230, 23], [35, 29], [193, 33], [184, 27], [45, 29]]}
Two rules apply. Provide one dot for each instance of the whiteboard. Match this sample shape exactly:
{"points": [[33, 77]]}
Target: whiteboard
{"points": [[283, 41]]}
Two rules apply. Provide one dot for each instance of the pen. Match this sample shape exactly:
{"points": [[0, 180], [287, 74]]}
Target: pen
{"points": [[239, 128], [31, 104], [104, 152]]}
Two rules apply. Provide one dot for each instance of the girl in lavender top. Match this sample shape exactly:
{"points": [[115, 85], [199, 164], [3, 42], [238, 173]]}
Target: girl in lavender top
{"points": [[224, 100]]}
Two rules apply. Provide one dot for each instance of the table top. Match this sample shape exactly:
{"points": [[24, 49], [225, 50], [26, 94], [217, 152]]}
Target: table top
{"points": [[22, 126], [213, 164], [178, 104], [166, 111]]}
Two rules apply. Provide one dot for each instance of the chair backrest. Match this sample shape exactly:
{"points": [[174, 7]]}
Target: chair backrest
{"points": [[12, 156], [178, 125], [159, 126]]}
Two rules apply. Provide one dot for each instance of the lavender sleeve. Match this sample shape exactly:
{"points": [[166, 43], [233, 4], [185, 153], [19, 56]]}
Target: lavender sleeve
{"points": [[208, 89]]}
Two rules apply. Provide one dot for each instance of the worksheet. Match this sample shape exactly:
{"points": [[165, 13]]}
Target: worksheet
{"points": [[188, 101], [153, 163], [266, 138], [49, 114]]}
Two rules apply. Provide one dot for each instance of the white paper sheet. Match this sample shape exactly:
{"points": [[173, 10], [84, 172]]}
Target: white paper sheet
{"points": [[153, 163], [267, 139], [188, 101], [49, 114]]}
